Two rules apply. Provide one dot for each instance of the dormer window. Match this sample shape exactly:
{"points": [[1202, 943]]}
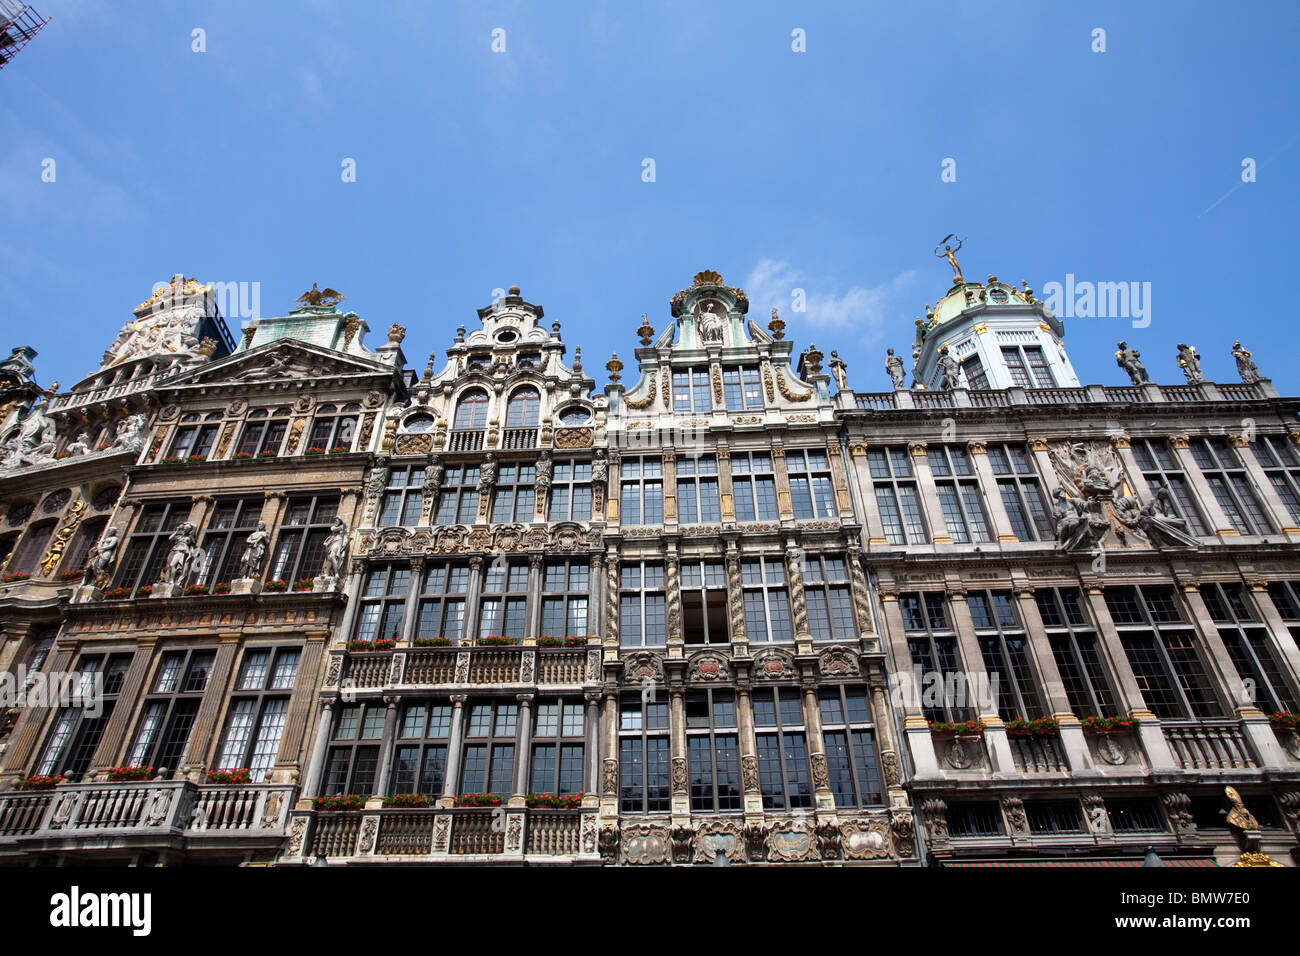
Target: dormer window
{"points": [[524, 409], [998, 295], [471, 412], [506, 336]]}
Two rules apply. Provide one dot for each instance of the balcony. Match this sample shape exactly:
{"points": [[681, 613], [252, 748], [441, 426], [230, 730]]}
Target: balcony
{"points": [[472, 666], [459, 835], [151, 813], [519, 438], [465, 441], [1205, 746]]}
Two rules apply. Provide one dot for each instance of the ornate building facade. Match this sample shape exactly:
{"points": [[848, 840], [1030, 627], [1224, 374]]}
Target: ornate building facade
{"points": [[334, 610]]}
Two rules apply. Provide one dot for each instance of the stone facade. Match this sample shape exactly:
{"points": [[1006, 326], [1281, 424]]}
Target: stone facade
{"points": [[730, 611]]}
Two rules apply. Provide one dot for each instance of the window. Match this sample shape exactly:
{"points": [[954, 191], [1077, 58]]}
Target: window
{"points": [[704, 603], [354, 750], [642, 491], [936, 666], [713, 751], [641, 604], [767, 602], [783, 772], [258, 709], [1004, 648], [976, 377], [643, 752], [458, 502], [1286, 598], [897, 499], [570, 496], [147, 547], [86, 539], [1074, 648], [1281, 465], [403, 498], [741, 388], [75, 734], [263, 432], [420, 753], [959, 493], [1028, 366], [565, 593], [1162, 652], [505, 600], [195, 440], [558, 743], [489, 756], [169, 711], [442, 605], [1250, 647], [851, 755], [1231, 487], [754, 486], [33, 546], [1160, 467], [333, 428], [1054, 816], [471, 411], [1134, 814], [7, 547], [1022, 495], [974, 818], [691, 390], [697, 497], [810, 484], [524, 408], [383, 603], [830, 607], [300, 543], [514, 497], [224, 539]]}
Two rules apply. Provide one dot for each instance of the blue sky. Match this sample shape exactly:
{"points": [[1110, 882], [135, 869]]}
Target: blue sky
{"points": [[819, 170]]}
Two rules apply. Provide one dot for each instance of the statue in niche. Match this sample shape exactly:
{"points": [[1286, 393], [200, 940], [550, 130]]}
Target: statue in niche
{"points": [[102, 558], [711, 323], [250, 562]]}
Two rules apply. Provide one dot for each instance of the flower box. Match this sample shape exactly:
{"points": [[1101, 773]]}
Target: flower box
{"points": [[39, 782], [1108, 725], [493, 640], [229, 776], [280, 585], [956, 728], [432, 642], [1284, 720], [1038, 727], [314, 451], [478, 800], [340, 450], [221, 587], [195, 589], [305, 584], [122, 774], [73, 573], [144, 590], [409, 801], [350, 802], [554, 801], [192, 459], [241, 456], [267, 455], [16, 576], [117, 594], [380, 645], [170, 461]]}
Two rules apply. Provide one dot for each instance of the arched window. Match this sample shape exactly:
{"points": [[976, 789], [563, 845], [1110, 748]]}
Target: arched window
{"points": [[522, 412], [31, 549], [471, 412]]}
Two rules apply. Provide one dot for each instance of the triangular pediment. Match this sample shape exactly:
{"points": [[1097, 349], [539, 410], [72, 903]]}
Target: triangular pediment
{"points": [[282, 361]]}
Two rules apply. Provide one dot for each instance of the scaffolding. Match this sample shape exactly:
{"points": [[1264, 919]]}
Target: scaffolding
{"points": [[18, 24]]}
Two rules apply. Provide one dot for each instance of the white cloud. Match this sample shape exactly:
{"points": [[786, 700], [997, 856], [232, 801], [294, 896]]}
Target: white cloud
{"points": [[861, 309]]}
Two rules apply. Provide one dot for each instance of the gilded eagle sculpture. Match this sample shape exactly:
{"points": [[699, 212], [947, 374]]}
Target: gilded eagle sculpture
{"points": [[325, 297]]}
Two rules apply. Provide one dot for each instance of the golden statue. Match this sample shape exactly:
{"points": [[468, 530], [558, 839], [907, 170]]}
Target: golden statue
{"points": [[950, 254], [1239, 816], [315, 296]]}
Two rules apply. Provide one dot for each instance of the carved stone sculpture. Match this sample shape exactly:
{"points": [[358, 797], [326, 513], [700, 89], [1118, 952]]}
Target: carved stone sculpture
{"points": [[1130, 361], [79, 447], [1247, 369], [336, 553], [129, 435], [184, 557], [894, 366], [1190, 363], [1162, 526], [102, 558], [950, 368], [250, 562]]}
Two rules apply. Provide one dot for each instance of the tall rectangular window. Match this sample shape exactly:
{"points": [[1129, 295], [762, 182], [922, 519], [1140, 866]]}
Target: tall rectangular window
{"points": [[146, 548], [258, 709], [420, 753], [383, 603], [75, 735], [712, 749], [1004, 647], [691, 390], [168, 713], [697, 489], [570, 497], [937, 673], [754, 486], [641, 596], [1230, 485], [224, 539], [1160, 467], [488, 760], [566, 590], [1074, 648], [783, 769], [704, 603], [514, 497], [643, 755], [458, 501], [1281, 464], [558, 743], [1249, 645], [830, 603], [811, 492], [897, 499], [851, 754], [959, 493], [300, 544], [1021, 491], [353, 763], [442, 604], [505, 600], [642, 498], [741, 389], [403, 498], [767, 600]]}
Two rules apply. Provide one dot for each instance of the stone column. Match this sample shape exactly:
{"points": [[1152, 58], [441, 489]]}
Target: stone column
{"points": [[839, 479], [1214, 515], [753, 794], [1149, 731], [533, 612], [781, 475], [726, 492], [609, 770], [670, 486], [319, 754], [1001, 522], [679, 776], [611, 598], [386, 746], [972, 660], [596, 597], [798, 599], [736, 600], [352, 590], [928, 494], [525, 749], [111, 743], [591, 741], [812, 717], [613, 494], [203, 734], [411, 611], [452, 780], [200, 507], [882, 718], [673, 593], [861, 594], [473, 598]]}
